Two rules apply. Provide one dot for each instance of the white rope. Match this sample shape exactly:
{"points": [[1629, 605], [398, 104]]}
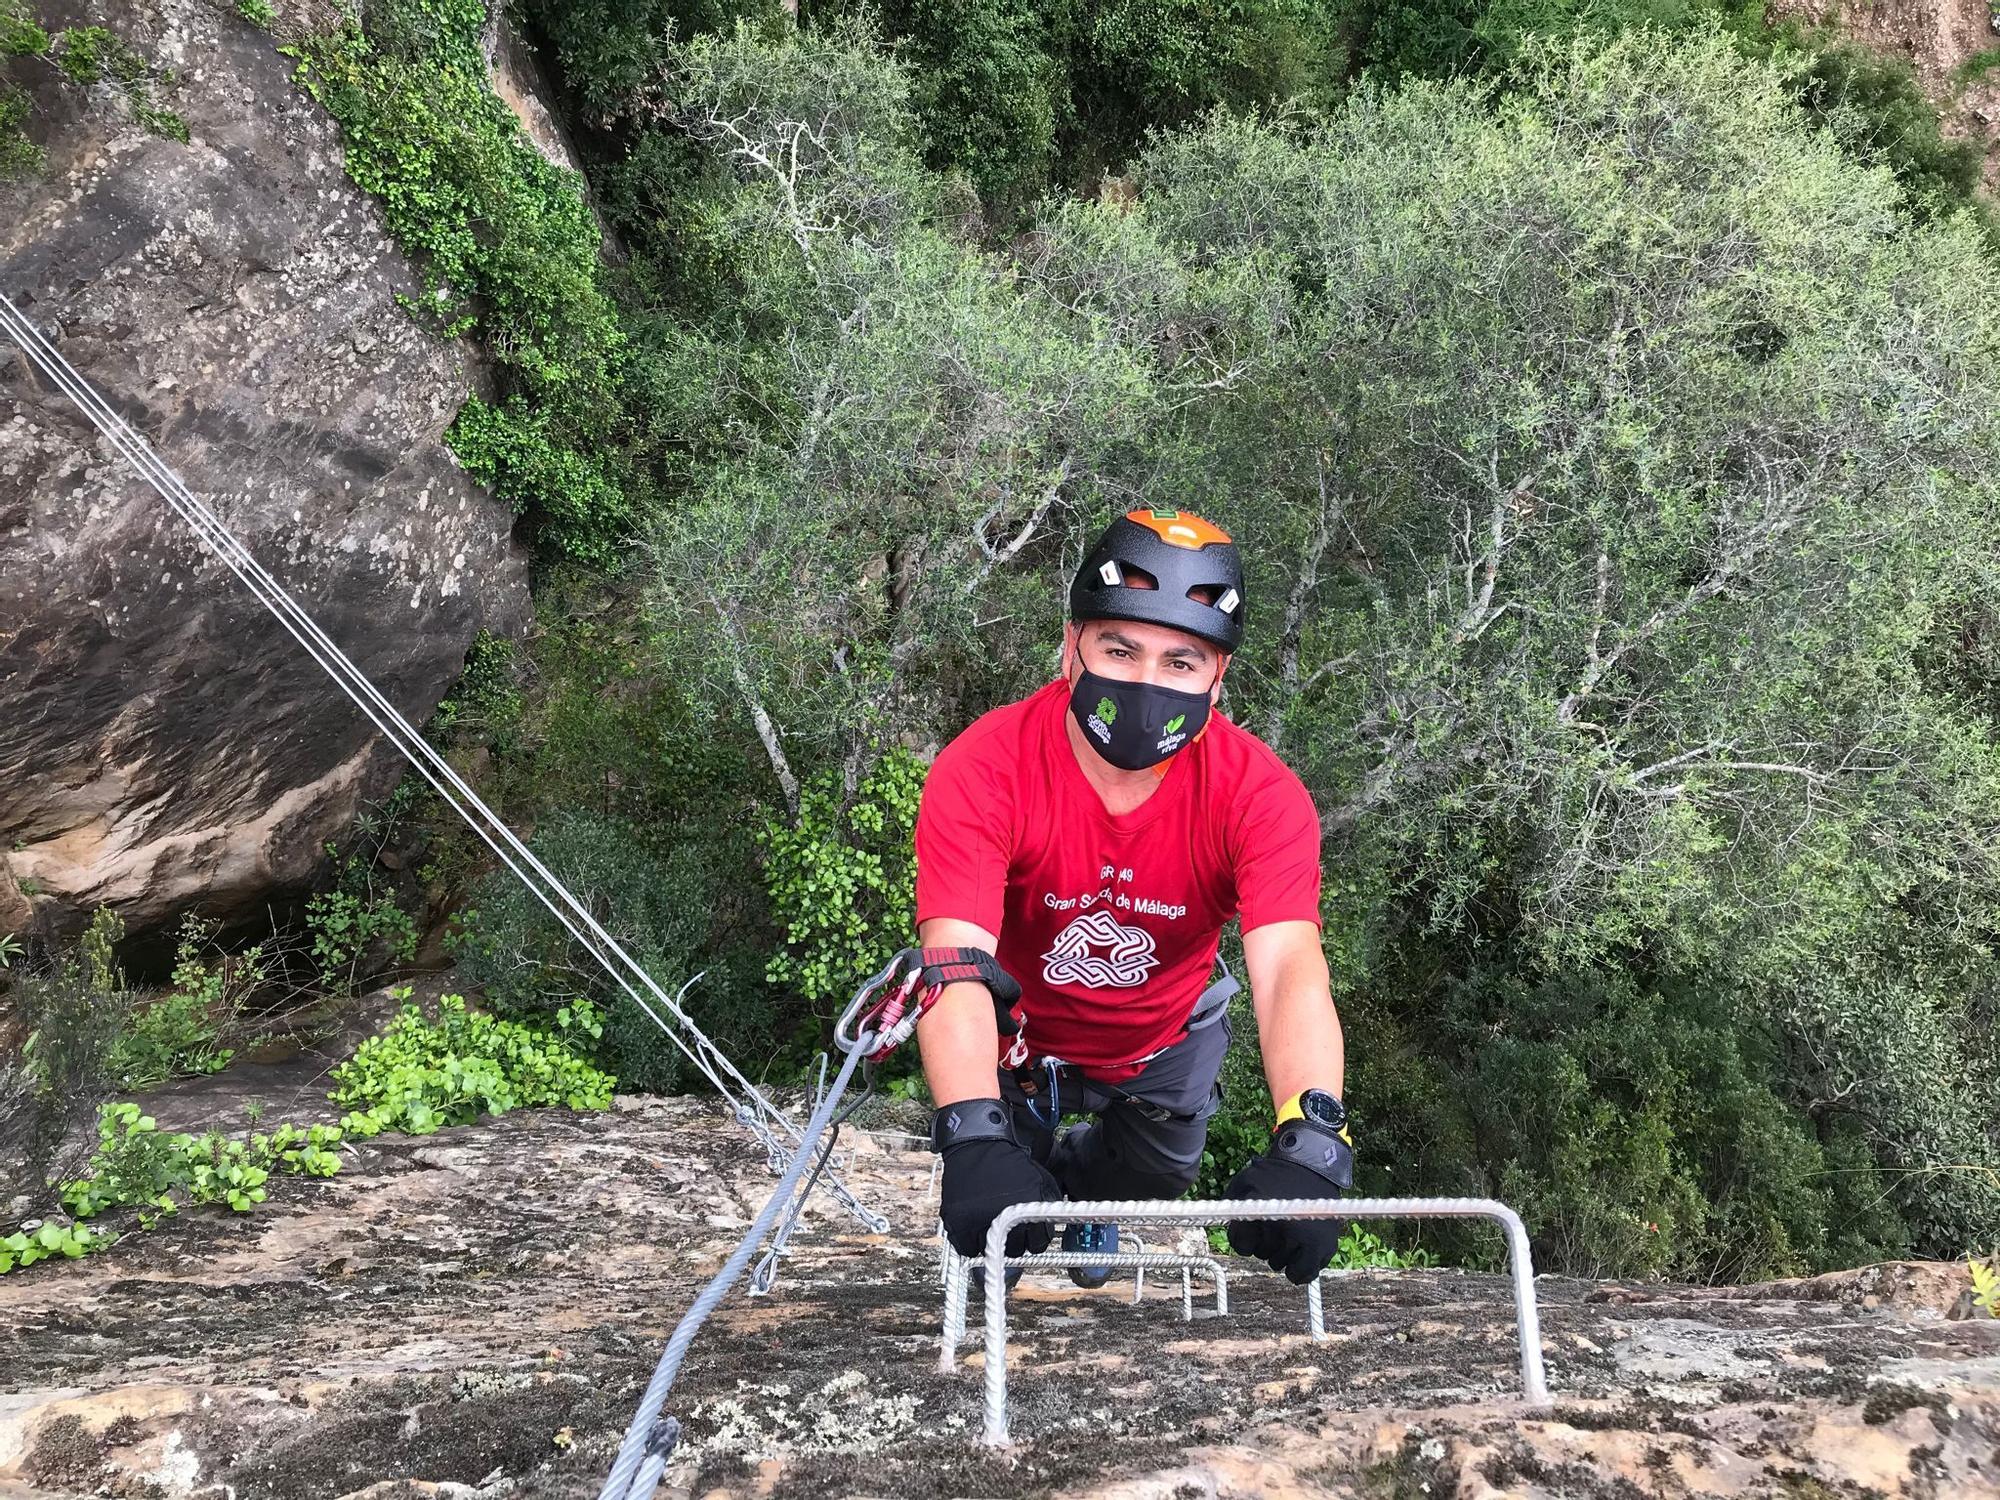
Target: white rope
{"points": [[751, 1107]]}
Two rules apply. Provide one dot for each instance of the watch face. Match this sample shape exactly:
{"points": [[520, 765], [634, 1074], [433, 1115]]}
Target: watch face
{"points": [[1323, 1109]]}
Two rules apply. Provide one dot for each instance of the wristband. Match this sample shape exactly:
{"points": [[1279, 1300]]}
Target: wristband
{"points": [[971, 1120], [1317, 1149]]}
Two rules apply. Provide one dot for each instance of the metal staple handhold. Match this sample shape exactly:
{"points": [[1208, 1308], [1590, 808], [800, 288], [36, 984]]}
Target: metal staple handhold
{"points": [[1534, 1381], [956, 1270]]}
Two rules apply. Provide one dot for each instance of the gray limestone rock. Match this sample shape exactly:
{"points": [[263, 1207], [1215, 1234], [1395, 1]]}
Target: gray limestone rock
{"points": [[164, 744]]}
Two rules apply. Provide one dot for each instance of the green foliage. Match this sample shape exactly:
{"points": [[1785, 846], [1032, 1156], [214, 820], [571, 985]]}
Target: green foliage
{"points": [[20, 35], [612, 52], [1977, 66], [74, 1009], [1876, 108], [1360, 1250], [523, 454], [47, 1241], [348, 922], [420, 1075], [140, 1167], [95, 54], [1985, 1285], [508, 248], [10, 949], [664, 907], [485, 702], [1021, 93], [19, 156], [842, 879], [259, 13], [179, 1033]]}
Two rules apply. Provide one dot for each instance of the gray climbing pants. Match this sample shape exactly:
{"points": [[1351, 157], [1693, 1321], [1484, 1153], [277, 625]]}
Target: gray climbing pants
{"points": [[1148, 1132]]}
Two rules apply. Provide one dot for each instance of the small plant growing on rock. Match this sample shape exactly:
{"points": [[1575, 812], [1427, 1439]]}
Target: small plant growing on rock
{"points": [[141, 1167], [96, 55], [346, 922], [48, 1240], [420, 1075], [179, 1035], [1986, 1283], [259, 13]]}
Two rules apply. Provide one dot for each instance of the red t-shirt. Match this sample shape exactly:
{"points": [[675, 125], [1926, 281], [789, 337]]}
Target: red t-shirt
{"points": [[1110, 923]]}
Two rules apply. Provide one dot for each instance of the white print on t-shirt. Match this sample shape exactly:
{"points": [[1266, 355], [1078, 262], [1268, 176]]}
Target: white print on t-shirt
{"points": [[1146, 905], [1127, 957]]}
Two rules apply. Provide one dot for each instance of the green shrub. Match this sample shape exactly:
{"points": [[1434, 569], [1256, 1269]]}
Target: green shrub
{"points": [[1639, 1130], [842, 878], [75, 1010], [662, 909], [20, 35], [347, 923], [484, 705], [19, 156], [179, 1034], [259, 13], [94, 54], [508, 249], [420, 1075]]}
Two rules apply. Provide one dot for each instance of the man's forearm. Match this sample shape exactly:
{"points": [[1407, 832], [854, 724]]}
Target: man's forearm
{"points": [[1302, 1044], [960, 1043]]}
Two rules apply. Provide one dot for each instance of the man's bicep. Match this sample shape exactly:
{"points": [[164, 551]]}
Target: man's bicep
{"points": [[1281, 951], [962, 842], [1277, 857]]}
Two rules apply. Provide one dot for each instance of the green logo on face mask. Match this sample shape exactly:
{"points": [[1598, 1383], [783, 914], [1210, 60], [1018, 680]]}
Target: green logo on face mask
{"points": [[1175, 722], [1107, 710]]}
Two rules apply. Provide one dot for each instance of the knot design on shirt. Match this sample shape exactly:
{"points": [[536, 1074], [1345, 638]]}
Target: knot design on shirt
{"points": [[1096, 950]]}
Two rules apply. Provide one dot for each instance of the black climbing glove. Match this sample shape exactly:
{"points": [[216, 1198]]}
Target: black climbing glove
{"points": [[1305, 1160], [985, 1171]]}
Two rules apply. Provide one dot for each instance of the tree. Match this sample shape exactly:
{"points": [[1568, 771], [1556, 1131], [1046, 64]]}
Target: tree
{"points": [[1613, 457]]}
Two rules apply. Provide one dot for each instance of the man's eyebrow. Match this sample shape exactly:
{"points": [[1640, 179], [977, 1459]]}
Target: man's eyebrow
{"points": [[1107, 634]]}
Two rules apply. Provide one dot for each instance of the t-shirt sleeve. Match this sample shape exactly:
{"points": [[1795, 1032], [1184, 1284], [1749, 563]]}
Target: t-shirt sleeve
{"points": [[1276, 853], [964, 832]]}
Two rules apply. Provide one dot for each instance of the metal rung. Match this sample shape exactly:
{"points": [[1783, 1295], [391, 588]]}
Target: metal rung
{"points": [[1527, 1318]]}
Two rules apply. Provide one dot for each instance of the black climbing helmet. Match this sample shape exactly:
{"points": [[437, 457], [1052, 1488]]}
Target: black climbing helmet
{"points": [[1179, 553]]}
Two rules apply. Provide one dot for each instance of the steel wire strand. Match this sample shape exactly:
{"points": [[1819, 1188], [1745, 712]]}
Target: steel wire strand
{"points": [[636, 1471], [707, 1058]]}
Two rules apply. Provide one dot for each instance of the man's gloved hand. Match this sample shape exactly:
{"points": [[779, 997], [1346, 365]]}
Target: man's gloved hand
{"points": [[985, 1171], [1305, 1160]]}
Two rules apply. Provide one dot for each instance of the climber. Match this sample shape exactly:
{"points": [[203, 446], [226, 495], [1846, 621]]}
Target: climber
{"points": [[1094, 837]]}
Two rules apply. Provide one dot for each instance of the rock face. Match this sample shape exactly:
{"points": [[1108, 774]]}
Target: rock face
{"points": [[164, 744], [474, 1313]]}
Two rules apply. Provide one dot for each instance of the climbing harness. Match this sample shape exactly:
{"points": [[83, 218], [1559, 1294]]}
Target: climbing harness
{"points": [[779, 1136]]}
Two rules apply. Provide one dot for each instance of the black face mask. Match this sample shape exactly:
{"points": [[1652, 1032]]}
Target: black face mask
{"points": [[1134, 724]]}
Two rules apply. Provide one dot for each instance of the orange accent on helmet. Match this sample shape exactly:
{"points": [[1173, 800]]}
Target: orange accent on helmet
{"points": [[1181, 528]]}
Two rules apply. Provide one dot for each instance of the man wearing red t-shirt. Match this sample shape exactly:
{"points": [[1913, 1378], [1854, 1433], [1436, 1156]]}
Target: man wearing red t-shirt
{"points": [[1094, 838]]}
